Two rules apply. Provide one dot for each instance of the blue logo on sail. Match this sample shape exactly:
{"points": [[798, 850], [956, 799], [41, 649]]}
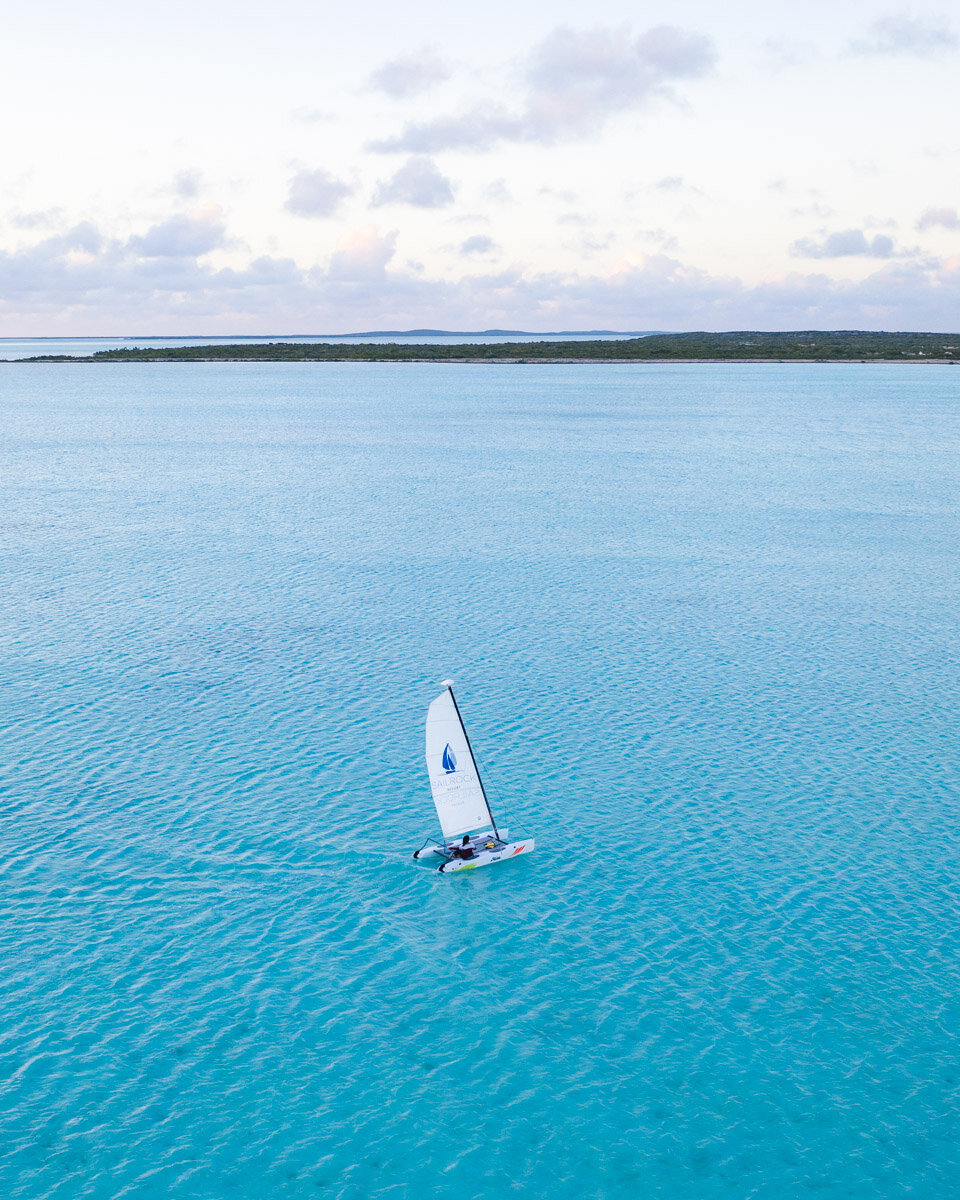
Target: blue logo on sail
{"points": [[449, 760]]}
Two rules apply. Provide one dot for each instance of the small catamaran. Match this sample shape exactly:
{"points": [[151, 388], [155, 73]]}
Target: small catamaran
{"points": [[470, 835]]}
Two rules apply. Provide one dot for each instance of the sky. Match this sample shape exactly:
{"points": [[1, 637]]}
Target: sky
{"points": [[217, 168]]}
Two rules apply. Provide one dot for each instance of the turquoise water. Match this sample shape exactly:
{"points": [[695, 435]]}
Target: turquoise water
{"points": [[704, 626]]}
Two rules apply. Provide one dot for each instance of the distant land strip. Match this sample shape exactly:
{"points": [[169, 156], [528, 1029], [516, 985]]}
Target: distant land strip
{"points": [[807, 346]]}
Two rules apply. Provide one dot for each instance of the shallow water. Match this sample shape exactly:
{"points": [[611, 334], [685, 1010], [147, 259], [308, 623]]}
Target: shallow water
{"points": [[704, 626]]}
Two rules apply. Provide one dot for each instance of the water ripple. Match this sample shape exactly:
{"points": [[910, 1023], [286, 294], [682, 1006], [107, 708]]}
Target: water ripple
{"points": [[705, 625]]}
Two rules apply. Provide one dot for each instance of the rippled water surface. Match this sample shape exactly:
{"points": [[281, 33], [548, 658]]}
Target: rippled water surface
{"points": [[704, 626]]}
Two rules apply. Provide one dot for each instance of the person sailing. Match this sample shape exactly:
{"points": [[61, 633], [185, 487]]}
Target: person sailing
{"points": [[464, 850]]}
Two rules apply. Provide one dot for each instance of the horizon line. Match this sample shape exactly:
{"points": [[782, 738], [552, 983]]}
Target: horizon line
{"points": [[88, 337]]}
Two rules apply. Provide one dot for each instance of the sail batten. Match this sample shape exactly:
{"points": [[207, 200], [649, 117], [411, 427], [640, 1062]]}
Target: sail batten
{"points": [[458, 793]]}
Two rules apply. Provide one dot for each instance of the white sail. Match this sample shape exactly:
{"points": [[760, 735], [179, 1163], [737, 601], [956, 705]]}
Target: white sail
{"points": [[454, 778]]}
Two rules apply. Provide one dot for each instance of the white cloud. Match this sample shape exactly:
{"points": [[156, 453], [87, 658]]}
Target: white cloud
{"points": [[578, 79], [573, 82], [81, 280], [316, 194], [44, 219], [362, 255], [183, 236], [943, 218], [410, 74], [901, 34], [417, 182], [186, 183], [845, 243], [479, 128], [498, 193], [659, 237], [77, 246], [480, 244], [677, 184]]}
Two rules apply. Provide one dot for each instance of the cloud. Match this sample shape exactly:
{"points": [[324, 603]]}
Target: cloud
{"points": [[659, 237], [187, 183], [410, 74], [480, 128], [573, 83], [183, 236], [678, 185], [901, 34], [78, 244], [84, 238], [498, 192], [418, 182], [578, 79], [593, 245], [943, 218], [113, 285], [82, 281], [44, 219], [478, 244], [362, 255], [845, 243], [316, 194]]}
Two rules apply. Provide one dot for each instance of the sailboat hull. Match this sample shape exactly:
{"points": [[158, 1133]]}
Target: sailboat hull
{"points": [[485, 857]]}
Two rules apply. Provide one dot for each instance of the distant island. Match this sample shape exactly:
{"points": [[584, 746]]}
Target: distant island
{"points": [[806, 346], [455, 333]]}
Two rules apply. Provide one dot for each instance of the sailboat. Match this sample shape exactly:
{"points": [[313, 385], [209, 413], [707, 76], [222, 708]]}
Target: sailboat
{"points": [[471, 838]]}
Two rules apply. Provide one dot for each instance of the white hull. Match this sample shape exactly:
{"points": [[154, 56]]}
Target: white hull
{"points": [[481, 857], [485, 857]]}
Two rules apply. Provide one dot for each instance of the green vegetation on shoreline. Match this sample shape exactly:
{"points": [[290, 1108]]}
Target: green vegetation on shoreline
{"points": [[809, 346]]}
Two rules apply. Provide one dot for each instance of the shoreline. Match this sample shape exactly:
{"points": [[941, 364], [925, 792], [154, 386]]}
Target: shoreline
{"points": [[857, 346], [501, 362]]}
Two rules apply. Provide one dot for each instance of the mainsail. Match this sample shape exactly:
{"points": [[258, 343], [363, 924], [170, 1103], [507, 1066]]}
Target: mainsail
{"points": [[454, 779]]}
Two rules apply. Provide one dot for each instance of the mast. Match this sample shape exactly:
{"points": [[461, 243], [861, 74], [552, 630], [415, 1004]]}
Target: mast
{"points": [[448, 684]]}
